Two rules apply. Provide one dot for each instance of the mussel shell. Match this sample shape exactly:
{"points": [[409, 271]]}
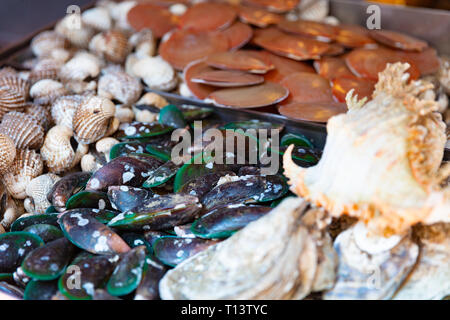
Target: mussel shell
{"points": [[174, 250], [246, 189], [161, 152], [126, 198], [40, 290], [87, 233], [135, 239], [125, 148], [14, 247], [192, 113], [10, 292], [49, 261], [136, 129], [224, 221], [128, 272], [88, 199], [201, 185], [102, 294], [68, 185], [253, 124], [298, 140], [161, 175], [249, 171], [171, 116], [152, 236], [47, 218], [46, 232], [148, 288], [159, 213], [303, 156]]}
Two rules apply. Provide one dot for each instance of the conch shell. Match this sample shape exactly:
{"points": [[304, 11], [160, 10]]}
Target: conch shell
{"points": [[381, 159], [23, 129]]}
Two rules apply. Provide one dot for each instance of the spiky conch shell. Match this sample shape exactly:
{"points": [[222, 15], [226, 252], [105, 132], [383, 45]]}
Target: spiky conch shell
{"points": [[7, 152], [13, 94], [92, 119], [116, 84], [23, 129], [381, 159], [57, 151], [26, 166], [44, 42], [63, 109], [80, 67], [79, 35], [111, 45], [38, 188], [40, 113], [46, 91], [275, 257]]}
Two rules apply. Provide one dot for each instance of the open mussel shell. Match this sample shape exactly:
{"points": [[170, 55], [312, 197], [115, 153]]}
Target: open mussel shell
{"points": [[303, 156], [312, 111], [46, 232], [126, 198], [148, 288], [161, 175], [238, 35], [89, 199], [174, 250], [49, 261], [10, 292], [201, 185], [159, 213], [246, 189], [40, 290], [137, 129], [241, 60], [85, 275], [67, 186], [14, 247], [171, 116], [227, 78], [128, 272], [24, 222], [224, 221], [204, 16], [89, 234], [256, 96]]}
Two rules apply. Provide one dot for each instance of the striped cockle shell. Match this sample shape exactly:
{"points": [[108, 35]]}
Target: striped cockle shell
{"points": [[116, 84], [40, 113], [45, 69], [92, 119], [80, 67], [13, 93], [46, 91], [37, 190], [78, 35], [23, 129], [63, 109], [57, 151], [15, 83], [111, 45], [26, 166], [144, 43], [7, 152], [157, 73], [97, 18], [7, 71], [46, 41]]}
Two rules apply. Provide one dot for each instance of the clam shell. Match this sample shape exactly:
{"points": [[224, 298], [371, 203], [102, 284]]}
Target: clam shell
{"points": [[46, 41], [7, 152], [26, 166], [23, 129], [40, 113], [116, 84], [97, 18], [78, 37], [111, 45], [38, 188], [81, 66], [46, 91], [63, 109], [156, 73], [92, 118], [153, 17], [204, 16]]}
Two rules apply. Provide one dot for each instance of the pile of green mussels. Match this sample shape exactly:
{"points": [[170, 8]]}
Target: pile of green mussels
{"points": [[114, 233]]}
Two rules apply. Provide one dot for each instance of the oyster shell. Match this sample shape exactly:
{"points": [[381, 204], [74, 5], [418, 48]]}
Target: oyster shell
{"points": [[111, 45], [23, 129], [116, 84], [38, 188], [156, 73], [7, 152]]}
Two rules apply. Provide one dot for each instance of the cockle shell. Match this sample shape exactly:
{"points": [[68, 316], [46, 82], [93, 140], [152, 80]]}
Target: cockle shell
{"points": [[79, 35], [13, 94], [57, 151], [40, 113], [273, 257], [92, 119], [144, 43], [111, 45], [63, 109], [381, 159], [45, 69], [38, 188], [116, 84], [43, 43], [7, 71], [26, 166], [119, 12], [15, 83], [97, 18], [153, 99], [46, 91], [23, 129], [104, 146], [7, 152], [156, 73], [80, 67], [315, 10]]}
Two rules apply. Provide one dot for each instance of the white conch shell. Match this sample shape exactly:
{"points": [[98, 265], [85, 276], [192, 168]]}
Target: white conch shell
{"points": [[381, 159], [156, 73], [38, 188], [80, 67], [116, 84]]}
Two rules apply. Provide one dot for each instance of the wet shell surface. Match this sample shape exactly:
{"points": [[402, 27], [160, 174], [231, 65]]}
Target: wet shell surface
{"points": [[46, 91], [63, 109], [156, 73], [46, 41], [111, 45], [80, 67], [23, 129], [7, 152], [92, 119], [38, 188], [116, 84]]}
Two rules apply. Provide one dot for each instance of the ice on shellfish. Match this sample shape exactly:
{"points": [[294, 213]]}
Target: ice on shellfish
{"points": [[381, 159]]}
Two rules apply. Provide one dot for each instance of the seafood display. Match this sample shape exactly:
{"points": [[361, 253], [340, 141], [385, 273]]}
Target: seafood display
{"points": [[114, 187]]}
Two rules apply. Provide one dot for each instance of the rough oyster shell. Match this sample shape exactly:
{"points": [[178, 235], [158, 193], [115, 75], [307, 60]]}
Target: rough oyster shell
{"points": [[43, 43], [156, 73], [97, 18], [7, 152], [381, 159], [80, 67], [38, 188], [63, 109], [26, 166], [116, 84], [46, 91], [111, 45], [23, 129], [92, 119]]}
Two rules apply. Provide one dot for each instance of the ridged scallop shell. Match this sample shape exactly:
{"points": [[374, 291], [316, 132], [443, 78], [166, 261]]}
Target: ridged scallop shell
{"points": [[46, 41], [97, 18], [157, 73], [116, 84], [79, 37], [40, 113], [23, 129], [144, 43], [38, 188], [27, 165], [80, 67], [111, 45], [92, 119], [57, 151], [45, 69], [7, 152], [63, 109], [46, 91]]}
